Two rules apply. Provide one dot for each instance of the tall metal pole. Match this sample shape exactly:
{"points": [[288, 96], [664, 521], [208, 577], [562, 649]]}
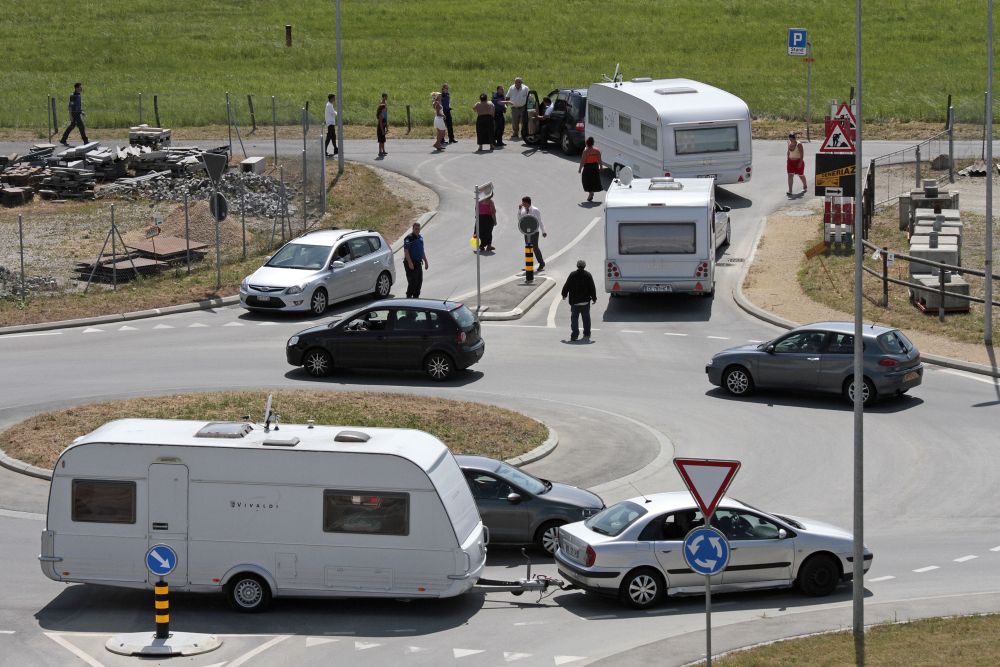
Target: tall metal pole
{"points": [[478, 249], [274, 128], [20, 240], [708, 615], [229, 123], [988, 298], [859, 414], [809, 70], [340, 99]]}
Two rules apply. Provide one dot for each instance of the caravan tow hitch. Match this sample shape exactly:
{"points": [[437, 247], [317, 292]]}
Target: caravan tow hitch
{"points": [[539, 583]]}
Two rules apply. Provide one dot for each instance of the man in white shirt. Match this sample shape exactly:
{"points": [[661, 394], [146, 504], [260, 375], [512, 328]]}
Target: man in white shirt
{"points": [[331, 124], [527, 209], [518, 96]]}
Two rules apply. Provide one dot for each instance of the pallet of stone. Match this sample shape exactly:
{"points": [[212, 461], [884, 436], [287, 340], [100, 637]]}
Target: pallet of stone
{"points": [[70, 183], [24, 174], [169, 249], [108, 163], [75, 153], [179, 161], [144, 135], [15, 196], [121, 268]]}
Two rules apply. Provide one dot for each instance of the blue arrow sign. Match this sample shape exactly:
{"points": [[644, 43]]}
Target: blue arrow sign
{"points": [[161, 560], [798, 42], [706, 551]]}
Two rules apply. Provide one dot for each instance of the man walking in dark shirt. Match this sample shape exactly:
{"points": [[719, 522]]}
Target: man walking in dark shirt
{"points": [[76, 114], [580, 289]]}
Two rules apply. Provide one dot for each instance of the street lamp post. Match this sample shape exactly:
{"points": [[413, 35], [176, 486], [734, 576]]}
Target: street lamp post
{"points": [[340, 99]]}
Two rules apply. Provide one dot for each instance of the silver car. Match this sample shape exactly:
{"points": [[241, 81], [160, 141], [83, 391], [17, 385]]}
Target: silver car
{"points": [[820, 357], [633, 550], [319, 268]]}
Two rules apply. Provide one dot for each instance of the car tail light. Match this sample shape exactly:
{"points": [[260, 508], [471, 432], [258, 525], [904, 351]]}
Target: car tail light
{"points": [[886, 361], [460, 337], [702, 270], [613, 271], [749, 169], [666, 173], [580, 126], [739, 180], [591, 556]]}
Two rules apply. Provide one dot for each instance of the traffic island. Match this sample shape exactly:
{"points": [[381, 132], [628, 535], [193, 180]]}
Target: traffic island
{"points": [[178, 643], [508, 299]]}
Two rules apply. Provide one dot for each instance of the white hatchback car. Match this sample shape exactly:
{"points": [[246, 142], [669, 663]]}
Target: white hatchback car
{"points": [[633, 550], [319, 268]]}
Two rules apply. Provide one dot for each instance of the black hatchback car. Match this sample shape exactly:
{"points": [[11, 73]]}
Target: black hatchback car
{"points": [[438, 337], [565, 126]]}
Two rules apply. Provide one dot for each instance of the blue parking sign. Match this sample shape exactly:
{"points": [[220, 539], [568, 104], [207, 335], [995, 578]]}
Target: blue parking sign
{"points": [[798, 42]]}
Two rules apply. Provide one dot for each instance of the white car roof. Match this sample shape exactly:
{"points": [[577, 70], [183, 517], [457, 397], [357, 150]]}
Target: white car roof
{"points": [[327, 237], [670, 501]]}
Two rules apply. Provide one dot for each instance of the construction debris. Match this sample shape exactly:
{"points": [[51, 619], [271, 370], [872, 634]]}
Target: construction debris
{"points": [[68, 183], [120, 268], [24, 175], [151, 137], [14, 196], [977, 168]]}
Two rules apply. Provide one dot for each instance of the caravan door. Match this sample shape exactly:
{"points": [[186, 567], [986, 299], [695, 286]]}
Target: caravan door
{"points": [[168, 515]]}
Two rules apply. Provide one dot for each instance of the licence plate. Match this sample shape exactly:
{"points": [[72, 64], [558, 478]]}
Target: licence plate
{"points": [[912, 375], [716, 176], [571, 551], [264, 299], [657, 288]]}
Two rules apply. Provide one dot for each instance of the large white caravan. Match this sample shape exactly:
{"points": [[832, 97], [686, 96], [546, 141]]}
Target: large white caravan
{"points": [[256, 512], [671, 127], [661, 235]]}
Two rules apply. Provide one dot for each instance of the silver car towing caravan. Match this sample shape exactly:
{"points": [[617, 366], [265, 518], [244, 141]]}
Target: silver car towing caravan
{"points": [[258, 512]]}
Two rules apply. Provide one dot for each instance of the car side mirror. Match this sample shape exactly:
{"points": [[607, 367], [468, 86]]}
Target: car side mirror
{"points": [[769, 349], [513, 498], [727, 209], [782, 533], [337, 264]]}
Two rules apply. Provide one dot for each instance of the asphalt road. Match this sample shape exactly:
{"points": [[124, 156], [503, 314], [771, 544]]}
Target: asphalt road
{"points": [[623, 405]]}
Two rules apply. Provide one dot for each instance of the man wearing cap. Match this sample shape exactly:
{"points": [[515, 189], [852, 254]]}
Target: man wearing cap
{"points": [[796, 164], [517, 95], [580, 289]]}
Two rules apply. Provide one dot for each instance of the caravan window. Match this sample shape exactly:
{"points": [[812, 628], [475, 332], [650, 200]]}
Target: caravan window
{"points": [[707, 140], [103, 501], [647, 135], [656, 238], [367, 512], [595, 115], [625, 124]]}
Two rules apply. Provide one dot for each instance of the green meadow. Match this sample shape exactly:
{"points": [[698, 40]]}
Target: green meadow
{"points": [[189, 54]]}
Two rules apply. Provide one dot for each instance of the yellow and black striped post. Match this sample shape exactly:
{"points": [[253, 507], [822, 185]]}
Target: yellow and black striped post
{"points": [[162, 591], [529, 263]]}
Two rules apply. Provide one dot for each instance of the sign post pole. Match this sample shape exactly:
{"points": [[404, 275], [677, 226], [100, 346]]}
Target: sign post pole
{"points": [[809, 71], [708, 619]]}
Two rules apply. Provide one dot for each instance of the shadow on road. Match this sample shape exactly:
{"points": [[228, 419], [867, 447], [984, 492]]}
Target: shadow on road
{"points": [[731, 199], [658, 308], [355, 376], [773, 397]]}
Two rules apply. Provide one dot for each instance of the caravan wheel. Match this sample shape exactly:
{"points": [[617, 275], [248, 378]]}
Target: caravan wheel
{"points": [[249, 593]]}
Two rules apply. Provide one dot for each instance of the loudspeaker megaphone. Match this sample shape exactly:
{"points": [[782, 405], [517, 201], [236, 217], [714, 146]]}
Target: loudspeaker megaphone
{"points": [[528, 224]]}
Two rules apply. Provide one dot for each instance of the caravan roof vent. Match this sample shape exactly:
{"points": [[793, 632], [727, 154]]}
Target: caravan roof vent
{"points": [[641, 79], [281, 442], [664, 183], [352, 436], [675, 90], [224, 430]]}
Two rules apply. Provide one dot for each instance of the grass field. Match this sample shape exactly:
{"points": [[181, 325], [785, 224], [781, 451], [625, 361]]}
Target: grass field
{"points": [[191, 53]]}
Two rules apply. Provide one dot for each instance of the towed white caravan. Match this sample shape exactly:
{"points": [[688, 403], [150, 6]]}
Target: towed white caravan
{"points": [[671, 127], [661, 235], [258, 512]]}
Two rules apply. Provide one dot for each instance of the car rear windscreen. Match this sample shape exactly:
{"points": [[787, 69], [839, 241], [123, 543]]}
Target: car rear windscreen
{"points": [[706, 140], [656, 238], [463, 317]]}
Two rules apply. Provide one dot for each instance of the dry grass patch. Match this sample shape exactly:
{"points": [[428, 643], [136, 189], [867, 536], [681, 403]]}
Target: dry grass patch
{"points": [[467, 428], [930, 643]]}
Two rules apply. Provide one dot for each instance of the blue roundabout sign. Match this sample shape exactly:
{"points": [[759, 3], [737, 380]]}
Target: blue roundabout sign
{"points": [[706, 551]]}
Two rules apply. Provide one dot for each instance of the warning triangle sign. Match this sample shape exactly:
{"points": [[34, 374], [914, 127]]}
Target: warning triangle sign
{"points": [[844, 113], [707, 480], [837, 141]]}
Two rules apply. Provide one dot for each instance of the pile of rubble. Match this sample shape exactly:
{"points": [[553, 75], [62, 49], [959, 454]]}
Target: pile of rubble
{"points": [[10, 284], [178, 161]]}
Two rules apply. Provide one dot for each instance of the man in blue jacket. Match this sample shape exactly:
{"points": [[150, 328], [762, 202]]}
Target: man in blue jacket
{"points": [[76, 114]]}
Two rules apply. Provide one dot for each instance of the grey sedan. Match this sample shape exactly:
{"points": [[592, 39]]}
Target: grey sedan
{"points": [[518, 508], [633, 550], [819, 357]]}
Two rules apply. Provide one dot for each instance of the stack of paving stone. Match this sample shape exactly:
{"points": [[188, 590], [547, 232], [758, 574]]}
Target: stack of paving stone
{"points": [[11, 195], [71, 156], [179, 160], [24, 174], [151, 137], [37, 154], [68, 183], [108, 163]]}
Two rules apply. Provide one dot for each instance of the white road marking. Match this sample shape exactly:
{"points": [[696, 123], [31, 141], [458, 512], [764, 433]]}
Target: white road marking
{"points": [[878, 579], [318, 641], [233, 324], [93, 330], [969, 376], [965, 558], [126, 327], [73, 649], [163, 326], [550, 320], [7, 632], [36, 333], [754, 340], [257, 651], [531, 623], [670, 333], [462, 652], [920, 570], [577, 239], [630, 331], [364, 646], [196, 325], [717, 337], [563, 659], [510, 656], [415, 649], [995, 549], [267, 324]]}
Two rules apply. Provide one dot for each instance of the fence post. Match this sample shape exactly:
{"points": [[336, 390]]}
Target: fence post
{"points": [[243, 209], [55, 118], [229, 123], [951, 142], [322, 174], [284, 205], [885, 276], [140, 108], [408, 123], [917, 187], [48, 114], [20, 243], [156, 109], [253, 116], [274, 128], [114, 251], [187, 234], [941, 271]]}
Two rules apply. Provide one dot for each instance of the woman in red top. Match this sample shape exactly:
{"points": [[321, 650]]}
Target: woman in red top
{"points": [[487, 220], [590, 166]]}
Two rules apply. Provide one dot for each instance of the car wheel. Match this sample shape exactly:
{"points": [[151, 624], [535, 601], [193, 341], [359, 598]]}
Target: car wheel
{"points": [[249, 594], [318, 302], [566, 144], [547, 536], [737, 381], [439, 366], [818, 576], [868, 393], [642, 588], [382, 285], [317, 362]]}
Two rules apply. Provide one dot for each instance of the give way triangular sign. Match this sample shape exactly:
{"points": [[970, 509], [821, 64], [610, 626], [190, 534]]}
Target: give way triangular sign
{"points": [[707, 480], [837, 141]]}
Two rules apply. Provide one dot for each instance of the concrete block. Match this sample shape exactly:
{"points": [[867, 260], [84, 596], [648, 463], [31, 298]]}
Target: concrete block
{"points": [[254, 165], [950, 214], [944, 254], [925, 229], [930, 296]]}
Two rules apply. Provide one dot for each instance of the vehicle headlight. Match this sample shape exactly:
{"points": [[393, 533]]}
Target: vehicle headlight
{"points": [[295, 289], [588, 512], [245, 284], [294, 340]]}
